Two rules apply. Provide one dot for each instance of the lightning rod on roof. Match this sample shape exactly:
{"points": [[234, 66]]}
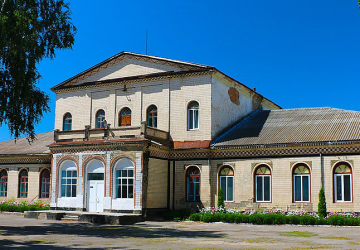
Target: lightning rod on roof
{"points": [[147, 42]]}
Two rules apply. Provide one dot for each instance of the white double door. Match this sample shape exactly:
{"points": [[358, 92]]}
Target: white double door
{"points": [[95, 195]]}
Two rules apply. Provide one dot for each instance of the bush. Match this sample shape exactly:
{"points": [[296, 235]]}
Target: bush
{"points": [[322, 203], [16, 206], [275, 217], [221, 202]]}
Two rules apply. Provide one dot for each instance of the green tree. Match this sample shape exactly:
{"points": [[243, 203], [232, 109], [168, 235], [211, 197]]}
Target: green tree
{"points": [[30, 30], [221, 202], [322, 203]]}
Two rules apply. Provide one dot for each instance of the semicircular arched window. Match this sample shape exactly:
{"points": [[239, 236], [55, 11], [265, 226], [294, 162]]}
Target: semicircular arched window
{"points": [[67, 122], [125, 117], [193, 184], [301, 183], [342, 182], [226, 181], [124, 179], [45, 184], [152, 116], [68, 179], [263, 184], [23, 183], [193, 115], [100, 118], [3, 183]]}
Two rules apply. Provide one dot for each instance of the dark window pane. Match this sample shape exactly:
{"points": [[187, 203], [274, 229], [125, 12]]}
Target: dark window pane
{"points": [[297, 188], [73, 191], [124, 191], [338, 188], [130, 192], [131, 173], [223, 185], [259, 188], [230, 189], [118, 192], [124, 173], [266, 188], [306, 191], [347, 188], [68, 191]]}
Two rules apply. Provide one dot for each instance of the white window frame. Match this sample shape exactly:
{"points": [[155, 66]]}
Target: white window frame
{"points": [[226, 184], [116, 194], [263, 187], [342, 187], [301, 185], [193, 112], [68, 169]]}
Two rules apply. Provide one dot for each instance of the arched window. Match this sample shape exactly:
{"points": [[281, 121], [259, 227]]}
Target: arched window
{"points": [[3, 183], [152, 116], [301, 183], [193, 115], [263, 184], [125, 117], [193, 184], [45, 184], [23, 183], [68, 179], [67, 122], [342, 182], [226, 182], [100, 118], [124, 179]]}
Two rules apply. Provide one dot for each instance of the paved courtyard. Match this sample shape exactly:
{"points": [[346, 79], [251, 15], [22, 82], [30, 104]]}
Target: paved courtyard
{"points": [[17, 232]]}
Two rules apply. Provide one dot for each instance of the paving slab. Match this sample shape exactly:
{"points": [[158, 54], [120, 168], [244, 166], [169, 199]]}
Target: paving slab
{"points": [[17, 232]]}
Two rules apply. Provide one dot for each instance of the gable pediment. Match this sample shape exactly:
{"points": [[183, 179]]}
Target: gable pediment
{"points": [[128, 64]]}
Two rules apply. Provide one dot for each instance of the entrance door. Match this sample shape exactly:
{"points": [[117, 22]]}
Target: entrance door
{"points": [[95, 192]]}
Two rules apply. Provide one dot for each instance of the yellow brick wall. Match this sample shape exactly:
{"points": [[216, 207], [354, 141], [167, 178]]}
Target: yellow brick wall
{"points": [[33, 180], [281, 183], [157, 183]]}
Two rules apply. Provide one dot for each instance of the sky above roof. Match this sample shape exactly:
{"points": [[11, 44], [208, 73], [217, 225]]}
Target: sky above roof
{"points": [[296, 53]]}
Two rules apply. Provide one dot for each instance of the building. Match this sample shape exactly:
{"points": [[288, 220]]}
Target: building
{"points": [[137, 133]]}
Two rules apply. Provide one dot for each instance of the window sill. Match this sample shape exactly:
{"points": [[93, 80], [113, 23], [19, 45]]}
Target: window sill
{"points": [[343, 202], [263, 201]]}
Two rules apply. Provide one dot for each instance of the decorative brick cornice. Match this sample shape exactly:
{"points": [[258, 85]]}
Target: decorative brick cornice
{"points": [[255, 152], [132, 81], [31, 159], [97, 147]]}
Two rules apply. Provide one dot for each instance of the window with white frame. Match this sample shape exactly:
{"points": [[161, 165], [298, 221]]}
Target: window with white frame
{"points": [[68, 182], [301, 183], [193, 115], [342, 183], [193, 184], [152, 114], [67, 122], [3, 183], [124, 179], [263, 184], [100, 118], [226, 181]]}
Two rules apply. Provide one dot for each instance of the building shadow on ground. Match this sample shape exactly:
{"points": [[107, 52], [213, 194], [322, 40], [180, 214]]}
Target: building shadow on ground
{"points": [[139, 230]]}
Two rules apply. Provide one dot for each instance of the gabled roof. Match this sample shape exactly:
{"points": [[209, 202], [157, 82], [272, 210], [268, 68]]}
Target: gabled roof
{"points": [[22, 147], [116, 58], [293, 126]]}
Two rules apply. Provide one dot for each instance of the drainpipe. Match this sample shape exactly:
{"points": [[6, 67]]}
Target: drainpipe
{"points": [[322, 172]]}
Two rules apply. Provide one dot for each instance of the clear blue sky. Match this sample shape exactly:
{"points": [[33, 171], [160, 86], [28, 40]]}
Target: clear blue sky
{"points": [[296, 53]]}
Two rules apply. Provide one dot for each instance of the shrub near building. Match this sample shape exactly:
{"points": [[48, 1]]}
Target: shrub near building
{"points": [[275, 217]]}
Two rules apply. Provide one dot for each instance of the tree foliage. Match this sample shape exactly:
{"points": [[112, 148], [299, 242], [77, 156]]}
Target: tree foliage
{"points": [[221, 202], [30, 30], [322, 203]]}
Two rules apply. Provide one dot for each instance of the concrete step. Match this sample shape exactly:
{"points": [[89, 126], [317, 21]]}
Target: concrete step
{"points": [[70, 217]]}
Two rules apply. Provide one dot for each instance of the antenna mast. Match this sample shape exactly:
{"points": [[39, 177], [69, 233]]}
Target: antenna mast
{"points": [[146, 42]]}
